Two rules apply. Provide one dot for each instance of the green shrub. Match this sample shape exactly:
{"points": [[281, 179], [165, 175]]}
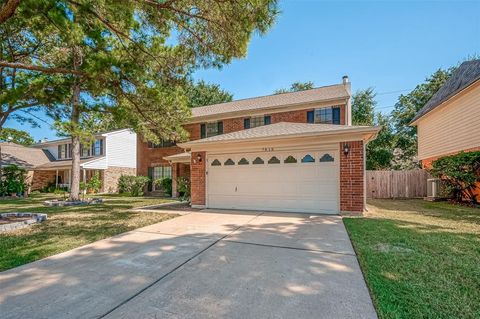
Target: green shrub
{"points": [[125, 183], [183, 186], [134, 185], [94, 184], [167, 185], [12, 180], [460, 173]]}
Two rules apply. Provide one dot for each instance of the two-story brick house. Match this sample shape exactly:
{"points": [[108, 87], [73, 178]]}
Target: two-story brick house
{"points": [[286, 152], [293, 152]]}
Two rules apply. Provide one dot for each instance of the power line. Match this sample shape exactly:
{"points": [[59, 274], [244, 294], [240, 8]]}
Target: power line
{"points": [[37, 117], [393, 92]]}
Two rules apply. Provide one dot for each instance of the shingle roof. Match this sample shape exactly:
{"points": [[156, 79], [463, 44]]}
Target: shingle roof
{"points": [[466, 74], [324, 93], [65, 163], [283, 129], [25, 157]]}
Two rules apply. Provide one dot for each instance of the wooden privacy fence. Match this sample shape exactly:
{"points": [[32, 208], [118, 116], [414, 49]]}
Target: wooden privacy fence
{"points": [[397, 184]]}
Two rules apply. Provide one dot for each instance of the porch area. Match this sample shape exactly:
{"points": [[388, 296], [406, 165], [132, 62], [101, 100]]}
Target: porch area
{"points": [[60, 178], [180, 169]]}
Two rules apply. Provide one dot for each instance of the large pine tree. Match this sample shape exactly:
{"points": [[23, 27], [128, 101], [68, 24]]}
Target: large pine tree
{"points": [[129, 59]]}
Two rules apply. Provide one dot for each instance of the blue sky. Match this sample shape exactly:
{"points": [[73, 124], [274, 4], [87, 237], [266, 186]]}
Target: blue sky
{"points": [[391, 46]]}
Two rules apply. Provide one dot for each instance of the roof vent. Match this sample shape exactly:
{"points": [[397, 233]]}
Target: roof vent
{"points": [[345, 79]]}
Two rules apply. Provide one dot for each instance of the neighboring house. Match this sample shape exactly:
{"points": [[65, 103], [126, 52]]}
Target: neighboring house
{"points": [[111, 155], [292, 152], [450, 122]]}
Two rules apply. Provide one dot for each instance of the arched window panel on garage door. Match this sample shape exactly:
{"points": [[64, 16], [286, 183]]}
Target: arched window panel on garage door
{"points": [[258, 161], [326, 158], [290, 160], [229, 162], [243, 161], [308, 159], [216, 162], [273, 160]]}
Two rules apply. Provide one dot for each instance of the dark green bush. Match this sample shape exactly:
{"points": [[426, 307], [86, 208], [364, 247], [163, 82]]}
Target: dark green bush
{"points": [[460, 173], [167, 186], [12, 180]]}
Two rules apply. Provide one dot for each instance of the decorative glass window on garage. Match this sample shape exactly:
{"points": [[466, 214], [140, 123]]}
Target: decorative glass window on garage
{"points": [[324, 115]]}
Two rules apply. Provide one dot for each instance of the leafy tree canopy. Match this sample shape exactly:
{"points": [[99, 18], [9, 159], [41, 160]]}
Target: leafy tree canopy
{"points": [[296, 86], [129, 59], [380, 150], [16, 136], [406, 108], [201, 94], [363, 105]]}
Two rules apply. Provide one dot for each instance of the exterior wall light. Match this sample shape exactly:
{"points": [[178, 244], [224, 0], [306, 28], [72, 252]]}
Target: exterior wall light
{"points": [[346, 149], [199, 158]]}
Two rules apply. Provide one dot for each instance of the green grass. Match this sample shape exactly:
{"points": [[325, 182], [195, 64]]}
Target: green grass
{"points": [[420, 259], [70, 227]]}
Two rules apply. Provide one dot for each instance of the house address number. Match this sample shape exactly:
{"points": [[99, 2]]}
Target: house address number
{"points": [[267, 149]]}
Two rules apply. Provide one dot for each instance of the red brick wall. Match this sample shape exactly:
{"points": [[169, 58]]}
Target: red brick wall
{"points": [[41, 179], [351, 178], [197, 178], [147, 157]]}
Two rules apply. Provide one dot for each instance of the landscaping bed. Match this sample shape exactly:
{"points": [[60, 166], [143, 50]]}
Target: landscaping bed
{"points": [[72, 226], [14, 221], [420, 259]]}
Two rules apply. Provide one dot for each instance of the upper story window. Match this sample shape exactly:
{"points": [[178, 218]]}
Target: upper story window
{"points": [[257, 121], [211, 129], [325, 115], [161, 144], [63, 151], [96, 149]]}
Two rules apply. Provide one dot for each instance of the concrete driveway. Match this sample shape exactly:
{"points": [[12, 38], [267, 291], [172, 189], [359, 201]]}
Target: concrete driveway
{"points": [[207, 264]]}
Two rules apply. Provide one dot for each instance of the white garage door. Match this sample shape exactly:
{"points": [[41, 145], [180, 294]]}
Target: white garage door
{"points": [[276, 181]]}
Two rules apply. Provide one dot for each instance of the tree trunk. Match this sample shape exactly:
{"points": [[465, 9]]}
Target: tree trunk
{"points": [[74, 120]]}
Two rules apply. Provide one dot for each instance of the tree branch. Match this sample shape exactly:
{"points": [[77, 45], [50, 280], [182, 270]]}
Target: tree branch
{"points": [[31, 67], [8, 9]]}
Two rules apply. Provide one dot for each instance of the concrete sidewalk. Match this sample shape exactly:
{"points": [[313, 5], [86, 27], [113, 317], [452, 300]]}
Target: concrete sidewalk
{"points": [[208, 264]]}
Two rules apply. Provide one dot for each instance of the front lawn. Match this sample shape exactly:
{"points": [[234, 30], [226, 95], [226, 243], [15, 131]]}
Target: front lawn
{"points": [[70, 227], [420, 259]]}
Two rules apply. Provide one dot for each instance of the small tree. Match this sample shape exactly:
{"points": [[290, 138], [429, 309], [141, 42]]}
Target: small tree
{"points": [[16, 136], [460, 174]]}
